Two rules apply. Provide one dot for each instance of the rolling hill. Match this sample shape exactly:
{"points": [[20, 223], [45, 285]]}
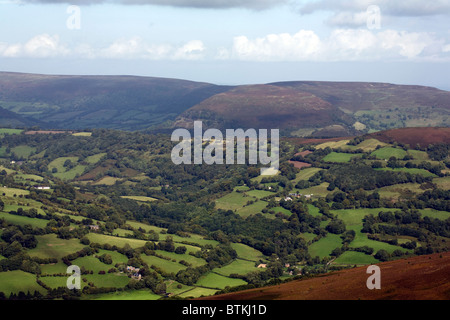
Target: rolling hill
{"points": [[300, 108], [116, 102]]}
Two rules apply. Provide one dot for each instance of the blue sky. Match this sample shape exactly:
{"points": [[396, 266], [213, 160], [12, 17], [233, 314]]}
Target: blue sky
{"points": [[231, 42]]}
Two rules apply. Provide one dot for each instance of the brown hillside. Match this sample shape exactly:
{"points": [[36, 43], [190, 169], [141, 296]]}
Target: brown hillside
{"points": [[417, 278], [263, 106], [414, 136]]}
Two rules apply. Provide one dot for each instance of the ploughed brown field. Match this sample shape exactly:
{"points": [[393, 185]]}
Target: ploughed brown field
{"points": [[300, 165], [418, 278]]}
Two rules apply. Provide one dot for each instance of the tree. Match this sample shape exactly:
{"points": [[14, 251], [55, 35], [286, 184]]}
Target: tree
{"points": [[382, 255], [336, 226]]}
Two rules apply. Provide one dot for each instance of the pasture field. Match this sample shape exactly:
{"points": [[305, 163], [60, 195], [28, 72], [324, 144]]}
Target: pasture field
{"points": [[166, 265], [355, 258], [441, 215], [140, 198], [8, 171], [397, 190], [247, 253], [281, 210], [134, 295], [443, 183], [387, 152], [107, 280], [361, 240], [232, 201], [194, 261], [367, 145], [23, 221], [422, 172], [17, 280], [353, 217], [238, 266], [217, 281], [115, 241], [107, 181], [54, 268], [13, 192], [259, 193], [340, 157], [333, 144], [95, 158], [314, 211], [305, 174], [197, 292], [49, 246], [316, 191], [419, 155], [82, 134], [5, 131], [251, 209], [325, 245], [62, 172], [23, 151]]}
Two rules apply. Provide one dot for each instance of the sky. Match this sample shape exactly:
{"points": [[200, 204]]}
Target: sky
{"points": [[230, 41]]}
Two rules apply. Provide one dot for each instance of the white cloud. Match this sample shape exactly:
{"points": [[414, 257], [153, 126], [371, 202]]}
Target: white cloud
{"points": [[193, 50], [40, 46], [300, 46], [46, 46], [340, 45]]}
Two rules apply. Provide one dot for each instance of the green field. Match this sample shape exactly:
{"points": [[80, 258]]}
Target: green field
{"points": [[166, 265], [422, 172], [95, 158], [217, 281], [62, 172], [333, 144], [23, 151], [361, 240], [233, 201], [198, 292], [387, 152], [354, 216], [340, 157], [115, 241], [247, 253], [140, 198], [238, 266], [443, 183], [49, 246], [367, 145], [107, 280], [13, 192], [23, 221], [251, 209], [325, 245], [126, 295], [194, 261], [17, 280], [5, 131], [316, 191], [354, 257]]}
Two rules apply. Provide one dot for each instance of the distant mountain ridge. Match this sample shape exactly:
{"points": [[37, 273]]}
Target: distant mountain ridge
{"points": [[297, 108]]}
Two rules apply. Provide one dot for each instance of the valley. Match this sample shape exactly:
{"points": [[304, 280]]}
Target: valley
{"points": [[141, 227]]}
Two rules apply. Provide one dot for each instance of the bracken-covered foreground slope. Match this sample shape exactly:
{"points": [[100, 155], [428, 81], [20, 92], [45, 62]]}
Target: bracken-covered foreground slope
{"points": [[418, 278], [414, 136]]}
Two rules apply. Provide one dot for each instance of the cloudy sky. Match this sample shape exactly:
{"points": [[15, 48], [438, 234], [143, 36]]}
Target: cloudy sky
{"points": [[231, 41]]}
